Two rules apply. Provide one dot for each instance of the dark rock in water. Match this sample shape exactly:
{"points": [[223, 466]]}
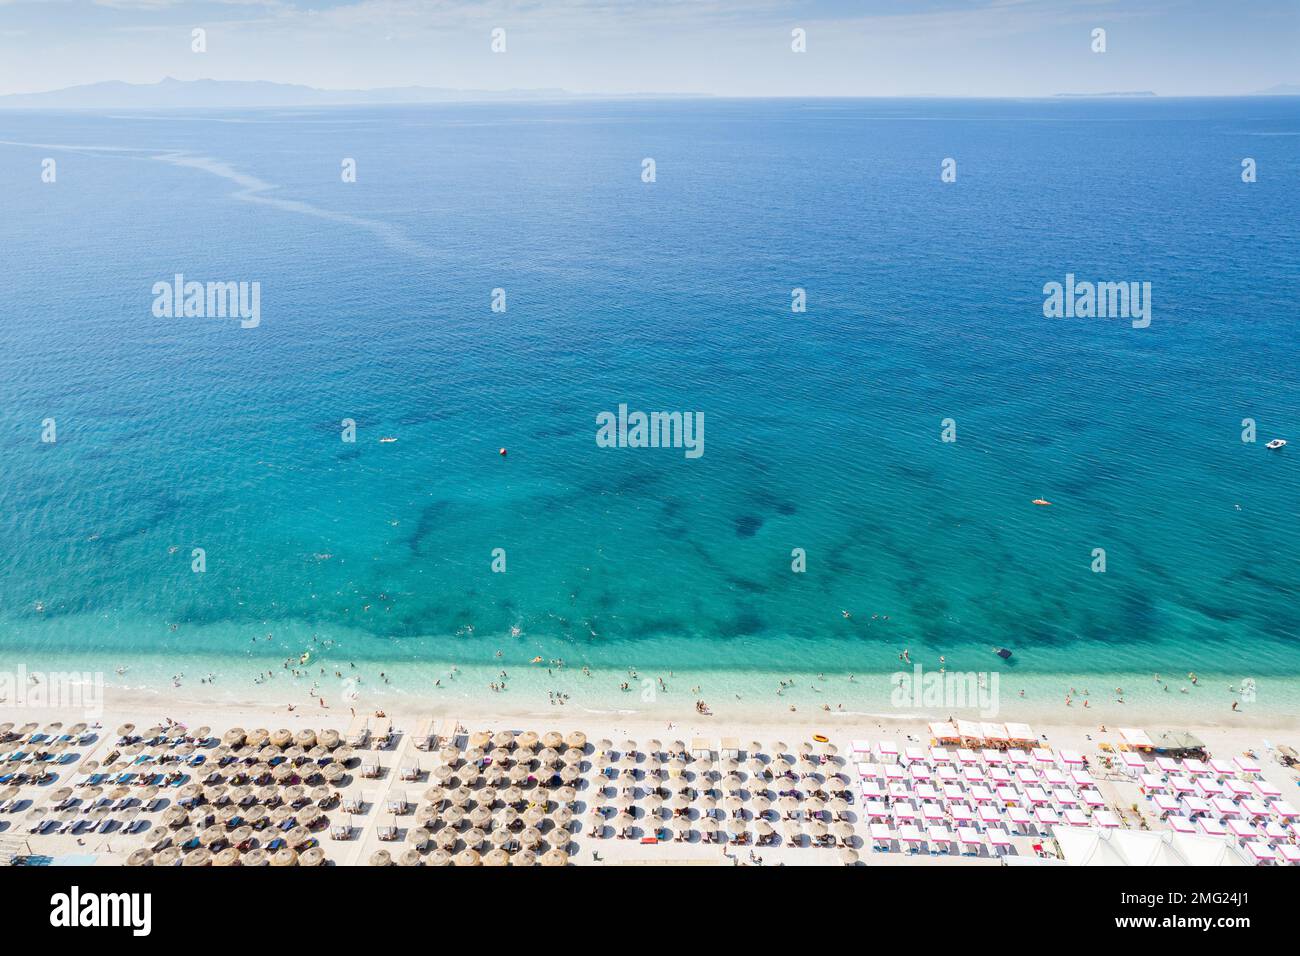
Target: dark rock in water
{"points": [[786, 508], [747, 525]]}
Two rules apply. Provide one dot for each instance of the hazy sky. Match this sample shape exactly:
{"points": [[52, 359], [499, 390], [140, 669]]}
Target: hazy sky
{"points": [[727, 47]]}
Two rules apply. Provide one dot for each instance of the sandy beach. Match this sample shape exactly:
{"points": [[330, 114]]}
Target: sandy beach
{"points": [[401, 758]]}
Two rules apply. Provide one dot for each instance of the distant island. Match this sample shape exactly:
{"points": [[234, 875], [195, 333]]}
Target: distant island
{"points": [[171, 93]]}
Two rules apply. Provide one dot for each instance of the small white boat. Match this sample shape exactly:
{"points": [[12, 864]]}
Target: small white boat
{"points": [[1276, 443]]}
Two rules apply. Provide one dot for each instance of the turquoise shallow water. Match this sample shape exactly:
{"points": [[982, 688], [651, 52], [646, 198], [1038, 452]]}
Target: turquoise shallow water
{"points": [[822, 429]]}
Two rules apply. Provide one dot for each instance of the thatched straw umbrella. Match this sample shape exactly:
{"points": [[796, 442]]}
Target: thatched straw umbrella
{"points": [[497, 857], [305, 738], [562, 816], [524, 858], [527, 740], [233, 737], [449, 755], [530, 837], [200, 857], [381, 858], [576, 740], [552, 739], [479, 739], [447, 838], [140, 857], [175, 816], [467, 858], [328, 738], [848, 856], [313, 856], [555, 858], [282, 737], [308, 815], [170, 856], [409, 858], [284, 857], [475, 838], [258, 857], [227, 857], [453, 816]]}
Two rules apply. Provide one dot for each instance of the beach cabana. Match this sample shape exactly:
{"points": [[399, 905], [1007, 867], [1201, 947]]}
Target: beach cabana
{"points": [[1179, 744], [1211, 827], [1131, 738], [939, 838], [1289, 852], [881, 838], [970, 840], [1132, 763], [1249, 766], [999, 839], [911, 836], [1021, 734], [1105, 819], [1260, 852], [994, 734], [943, 732]]}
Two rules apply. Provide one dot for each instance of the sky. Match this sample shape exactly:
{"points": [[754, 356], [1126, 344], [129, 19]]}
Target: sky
{"points": [[719, 47]]}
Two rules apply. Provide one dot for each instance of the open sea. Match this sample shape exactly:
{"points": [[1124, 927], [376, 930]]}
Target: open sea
{"points": [[822, 428]]}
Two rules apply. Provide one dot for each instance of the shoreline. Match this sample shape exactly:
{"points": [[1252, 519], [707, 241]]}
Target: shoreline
{"points": [[294, 703]]}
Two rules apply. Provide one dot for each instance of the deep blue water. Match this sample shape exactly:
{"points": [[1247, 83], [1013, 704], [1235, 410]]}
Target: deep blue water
{"points": [[822, 429]]}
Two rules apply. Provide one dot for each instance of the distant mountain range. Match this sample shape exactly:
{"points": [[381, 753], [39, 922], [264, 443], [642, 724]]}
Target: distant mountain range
{"points": [[170, 93], [1133, 93]]}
